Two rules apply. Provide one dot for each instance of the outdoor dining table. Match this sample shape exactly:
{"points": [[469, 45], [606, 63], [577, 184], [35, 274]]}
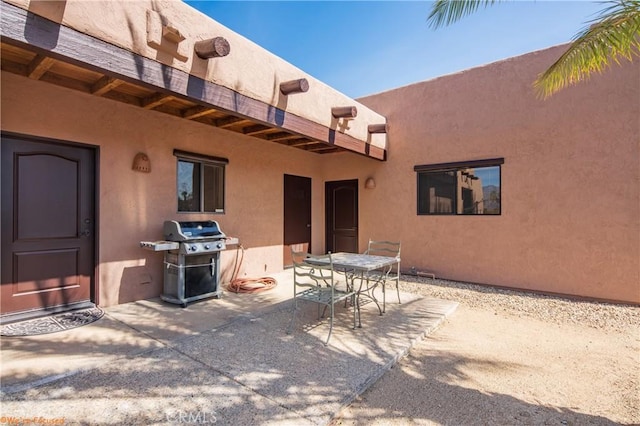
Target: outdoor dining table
{"points": [[357, 266]]}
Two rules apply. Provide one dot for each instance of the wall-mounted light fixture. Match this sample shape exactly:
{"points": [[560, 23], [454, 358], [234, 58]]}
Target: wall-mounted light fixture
{"points": [[141, 163], [370, 183]]}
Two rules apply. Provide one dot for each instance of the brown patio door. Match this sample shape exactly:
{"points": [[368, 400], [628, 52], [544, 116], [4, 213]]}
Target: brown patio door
{"points": [[297, 216], [341, 203], [47, 225]]}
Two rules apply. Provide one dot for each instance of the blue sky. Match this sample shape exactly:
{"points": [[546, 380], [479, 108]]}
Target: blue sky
{"points": [[366, 47]]}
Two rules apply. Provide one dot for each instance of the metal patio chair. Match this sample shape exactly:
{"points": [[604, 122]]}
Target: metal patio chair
{"points": [[314, 281], [389, 273]]}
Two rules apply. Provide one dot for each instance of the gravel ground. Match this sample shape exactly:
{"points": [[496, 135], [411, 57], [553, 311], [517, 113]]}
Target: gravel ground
{"points": [[553, 309], [510, 357]]}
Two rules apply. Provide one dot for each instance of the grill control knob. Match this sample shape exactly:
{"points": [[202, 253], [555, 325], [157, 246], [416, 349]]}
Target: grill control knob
{"points": [[219, 245], [193, 248], [207, 246]]}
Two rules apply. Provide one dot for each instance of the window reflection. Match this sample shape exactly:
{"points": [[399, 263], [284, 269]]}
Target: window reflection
{"points": [[200, 182], [213, 188], [188, 186], [460, 191]]}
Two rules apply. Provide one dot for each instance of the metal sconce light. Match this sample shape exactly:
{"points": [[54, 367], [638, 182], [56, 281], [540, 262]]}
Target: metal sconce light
{"points": [[141, 163], [370, 183]]}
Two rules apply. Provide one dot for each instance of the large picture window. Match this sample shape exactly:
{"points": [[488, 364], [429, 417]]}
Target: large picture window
{"points": [[200, 183], [462, 188]]}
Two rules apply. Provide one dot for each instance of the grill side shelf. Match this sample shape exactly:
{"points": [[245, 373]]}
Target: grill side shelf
{"points": [[159, 245]]}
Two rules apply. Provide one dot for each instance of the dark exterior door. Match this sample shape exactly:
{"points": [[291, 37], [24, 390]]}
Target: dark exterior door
{"points": [[47, 225], [342, 216], [297, 216]]}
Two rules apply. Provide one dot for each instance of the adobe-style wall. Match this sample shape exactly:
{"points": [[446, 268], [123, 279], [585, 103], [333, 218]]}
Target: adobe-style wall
{"points": [[248, 69], [570, 218], [134, 205]]}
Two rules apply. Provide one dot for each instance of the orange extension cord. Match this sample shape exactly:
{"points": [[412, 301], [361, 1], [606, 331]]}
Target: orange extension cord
{"points": [[248, 285]]}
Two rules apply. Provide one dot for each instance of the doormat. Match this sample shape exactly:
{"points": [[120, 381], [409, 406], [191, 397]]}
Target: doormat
{"points": [[53, 323]]}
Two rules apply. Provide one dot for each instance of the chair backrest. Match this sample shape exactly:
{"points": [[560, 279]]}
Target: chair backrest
{"points": [[310, 270], [383, 248]]}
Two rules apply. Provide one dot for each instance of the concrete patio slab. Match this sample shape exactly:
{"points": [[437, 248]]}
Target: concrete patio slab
{"points": [[229, 360], [28, 361], [157, 387]]}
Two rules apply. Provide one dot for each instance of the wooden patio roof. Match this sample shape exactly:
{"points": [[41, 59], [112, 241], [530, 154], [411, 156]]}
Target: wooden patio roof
{"points": [[37, 48]]}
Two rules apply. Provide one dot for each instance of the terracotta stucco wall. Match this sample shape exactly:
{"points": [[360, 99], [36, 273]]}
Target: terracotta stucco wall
{"points": [[570, 218], [133, 205], [249, 69]]}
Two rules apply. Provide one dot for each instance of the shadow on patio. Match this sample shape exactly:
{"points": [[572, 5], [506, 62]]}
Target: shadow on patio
{"points": [[228, 360]]}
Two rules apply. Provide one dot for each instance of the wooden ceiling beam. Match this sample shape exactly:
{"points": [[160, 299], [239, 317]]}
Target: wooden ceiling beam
{"points": [[70, 46], [104, 85], [65, 81], [256, 129], [39, 66], [197, 112], [176, 112], [322, 147], [281, 136], [14, 67], [302, 142], [121, 97], [229, 121], [156, 100]]}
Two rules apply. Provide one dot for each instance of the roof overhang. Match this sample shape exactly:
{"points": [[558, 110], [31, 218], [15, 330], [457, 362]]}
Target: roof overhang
{"points": [[38, 48]]}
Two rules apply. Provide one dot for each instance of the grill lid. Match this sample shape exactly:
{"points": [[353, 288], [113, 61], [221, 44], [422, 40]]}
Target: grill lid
{"points": [[189, 231]]}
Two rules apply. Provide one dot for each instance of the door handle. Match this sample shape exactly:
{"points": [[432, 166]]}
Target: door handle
{"points": [[87, 230]]}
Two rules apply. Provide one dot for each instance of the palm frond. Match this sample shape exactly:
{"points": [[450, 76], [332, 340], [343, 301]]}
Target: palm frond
{"points": [[446, 12], [614, 35]]}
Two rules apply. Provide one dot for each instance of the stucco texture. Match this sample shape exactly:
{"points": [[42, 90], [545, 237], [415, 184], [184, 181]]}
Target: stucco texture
{"points": [[248, 69], [570, 219], [134, 205]]}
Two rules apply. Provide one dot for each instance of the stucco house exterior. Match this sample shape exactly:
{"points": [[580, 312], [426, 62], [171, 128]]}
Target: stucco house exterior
{"points": [[108, 108]]}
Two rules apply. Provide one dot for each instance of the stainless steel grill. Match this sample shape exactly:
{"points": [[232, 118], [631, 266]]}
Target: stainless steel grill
{"points": [[191, 260]]}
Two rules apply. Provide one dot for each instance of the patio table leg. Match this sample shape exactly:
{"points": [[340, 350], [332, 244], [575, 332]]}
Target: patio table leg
{"points": [[367, 291]]}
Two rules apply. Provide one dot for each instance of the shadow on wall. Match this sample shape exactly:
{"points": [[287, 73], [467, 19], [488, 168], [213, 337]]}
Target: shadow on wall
{"points": [[137, 283], [46, 33]]}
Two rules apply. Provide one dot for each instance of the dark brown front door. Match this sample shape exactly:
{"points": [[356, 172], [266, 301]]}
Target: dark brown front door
{"points": [[297, 216], [342, 216], [47, 225]]}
